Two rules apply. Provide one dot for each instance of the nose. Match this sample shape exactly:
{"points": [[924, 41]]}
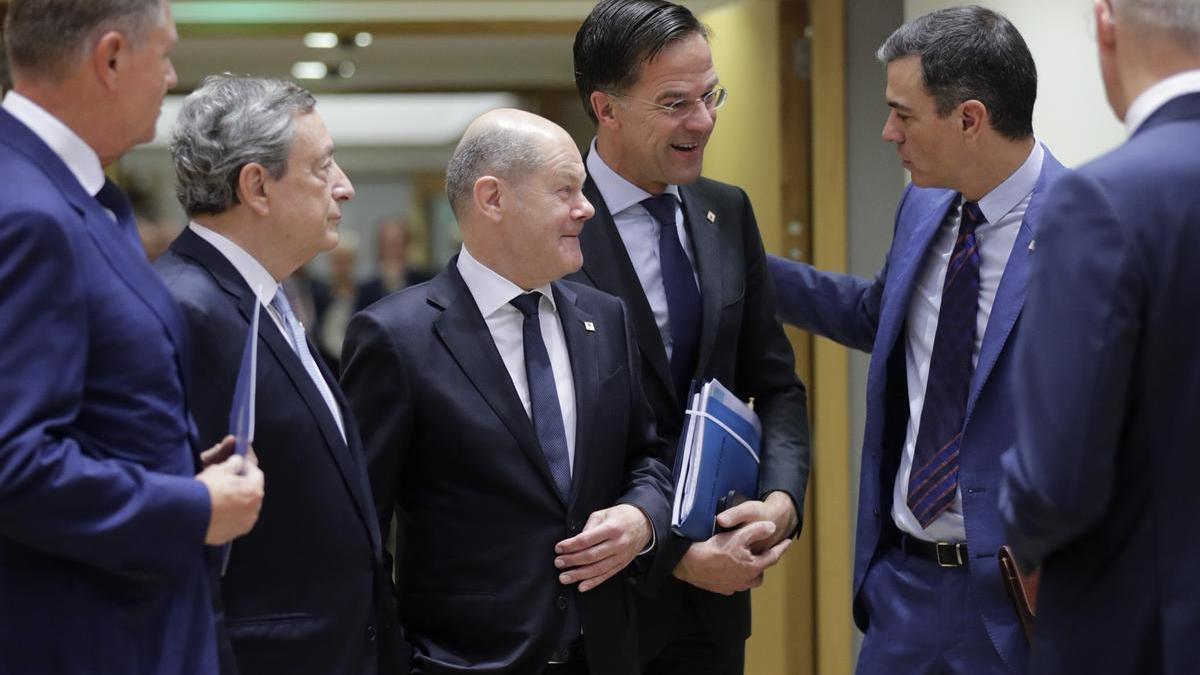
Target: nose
{"points": [[891, 129], [584, 209], [700, 118], [343, 189], [172, 77]]}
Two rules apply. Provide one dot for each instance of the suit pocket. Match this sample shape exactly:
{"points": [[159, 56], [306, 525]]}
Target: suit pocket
{"points": [[284, 626]]}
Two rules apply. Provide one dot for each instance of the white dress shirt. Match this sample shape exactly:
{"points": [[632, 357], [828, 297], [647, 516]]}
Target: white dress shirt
{"points": [[263, 285], [639, 232], [492, 294], [70, 148], [1004, 208], [1158, 95]]}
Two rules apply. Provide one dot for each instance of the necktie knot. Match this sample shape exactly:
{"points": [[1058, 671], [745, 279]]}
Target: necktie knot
{"points": [[527, 303], [972, 215], [662, 207], [281, 304]]}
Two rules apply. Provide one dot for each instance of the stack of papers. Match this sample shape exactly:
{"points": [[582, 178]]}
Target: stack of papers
{"points": [[718, 454]]}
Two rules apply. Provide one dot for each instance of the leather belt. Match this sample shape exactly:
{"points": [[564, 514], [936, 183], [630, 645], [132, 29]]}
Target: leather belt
{"points": [[945, 554], [572, 653]]}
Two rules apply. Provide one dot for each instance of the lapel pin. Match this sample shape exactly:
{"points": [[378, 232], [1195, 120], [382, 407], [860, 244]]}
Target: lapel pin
{"points": [[589, 326], [712, 217], [1032, 245]]}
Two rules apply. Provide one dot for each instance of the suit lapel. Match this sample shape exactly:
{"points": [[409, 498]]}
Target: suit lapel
{"points": [[581, 348], [466, 336], [707, 250], [607, 266]]}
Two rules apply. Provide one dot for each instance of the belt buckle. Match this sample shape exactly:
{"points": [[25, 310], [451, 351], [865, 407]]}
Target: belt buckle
{"points": [[944, 558]]}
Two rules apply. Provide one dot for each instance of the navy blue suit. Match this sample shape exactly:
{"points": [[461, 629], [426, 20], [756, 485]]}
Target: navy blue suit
{"points": [[305, 590], [1101, 486], [870, 315], [455, 458], [102, 557]]}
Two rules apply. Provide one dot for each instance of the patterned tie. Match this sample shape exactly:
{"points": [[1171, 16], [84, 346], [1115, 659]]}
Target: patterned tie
{"points": [[543, 394], [683, 298], [299, 345], [934, 478]]}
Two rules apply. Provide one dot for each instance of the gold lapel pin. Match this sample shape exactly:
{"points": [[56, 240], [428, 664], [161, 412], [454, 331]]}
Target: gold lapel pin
{"points": [[589, 326], [1032, 245], [712, 217]]}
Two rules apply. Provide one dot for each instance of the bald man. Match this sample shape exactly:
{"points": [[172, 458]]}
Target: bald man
{"points": [[506, 428]]}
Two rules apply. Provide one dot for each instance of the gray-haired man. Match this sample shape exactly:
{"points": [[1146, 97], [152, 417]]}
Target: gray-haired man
{"points": [[306, 591]]}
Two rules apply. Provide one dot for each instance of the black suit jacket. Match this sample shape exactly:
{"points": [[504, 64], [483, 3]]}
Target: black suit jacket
{"points": [[306, 590], [742, 345], [455, 457]]}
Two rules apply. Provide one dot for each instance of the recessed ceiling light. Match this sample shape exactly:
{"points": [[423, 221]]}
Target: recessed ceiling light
{"points": [[309, 70], [363, 39], [321, 40], [346, 69]]}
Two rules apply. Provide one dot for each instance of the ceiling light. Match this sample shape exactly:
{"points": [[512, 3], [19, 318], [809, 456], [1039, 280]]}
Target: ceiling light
{"points": [[309, 70], [363, 39], [345, 69], [321, 40]]}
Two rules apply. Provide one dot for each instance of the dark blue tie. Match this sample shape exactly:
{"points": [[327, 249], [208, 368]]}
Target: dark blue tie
{"points": [[111, 198], [543, 394], [934, 478], [683, 298]]}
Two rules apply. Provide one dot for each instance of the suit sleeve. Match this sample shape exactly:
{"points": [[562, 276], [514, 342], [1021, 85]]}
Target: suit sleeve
{"points": [[841, 307], [378, 390], [1074, 360], [55, 496]]}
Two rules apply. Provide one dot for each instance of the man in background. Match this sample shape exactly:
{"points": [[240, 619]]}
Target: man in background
{"points": [[1100, 487], [939, 321], [102, 523]]}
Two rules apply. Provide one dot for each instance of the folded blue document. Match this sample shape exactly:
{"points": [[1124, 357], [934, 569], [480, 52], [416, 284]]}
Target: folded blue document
{"points": [[718, 455]]}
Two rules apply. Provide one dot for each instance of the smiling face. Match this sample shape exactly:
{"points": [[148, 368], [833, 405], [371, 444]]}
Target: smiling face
{"points": [[648, 146], [930, 146]]}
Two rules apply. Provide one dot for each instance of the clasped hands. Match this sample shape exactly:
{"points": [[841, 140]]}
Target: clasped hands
{"points": [[734, 561]]}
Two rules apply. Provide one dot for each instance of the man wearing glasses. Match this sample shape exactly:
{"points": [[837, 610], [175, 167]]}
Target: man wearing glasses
{"points": [[684, 254]]}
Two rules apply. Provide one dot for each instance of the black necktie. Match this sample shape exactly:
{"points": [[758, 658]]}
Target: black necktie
{"points": [[111, 198], [683, 298], [934, 478]]}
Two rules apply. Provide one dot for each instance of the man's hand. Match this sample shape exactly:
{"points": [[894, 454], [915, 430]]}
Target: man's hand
{"points": [[223, 451], [235, 487], [611, 539], [727, 563], [778, 508]]}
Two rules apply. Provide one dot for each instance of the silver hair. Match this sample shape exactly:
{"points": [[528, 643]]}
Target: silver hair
{"points": [[46, 37], [1179, 18], [228, 122], [494, 151]]}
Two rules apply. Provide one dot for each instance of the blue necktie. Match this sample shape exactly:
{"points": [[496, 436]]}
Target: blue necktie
{"points": [[548, 424], [683, 298], [299, 344], [543, 394], [111, 198], [934, 478]]}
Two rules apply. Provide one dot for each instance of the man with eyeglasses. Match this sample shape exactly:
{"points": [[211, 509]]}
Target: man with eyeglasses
{"points": [[685, 255]]}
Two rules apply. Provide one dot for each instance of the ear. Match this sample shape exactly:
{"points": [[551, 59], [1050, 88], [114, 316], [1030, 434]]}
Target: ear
{"points": [[1106, 29], [603, 106], [488, 194], [254, 187], [108, 55], [974, 116]]}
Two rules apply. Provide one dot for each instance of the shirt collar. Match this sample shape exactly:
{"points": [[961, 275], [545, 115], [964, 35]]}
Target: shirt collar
{"points": [[1007, 195], [1158, 95], [79, 157], [490, 290], [257, 277], [618, 193]]}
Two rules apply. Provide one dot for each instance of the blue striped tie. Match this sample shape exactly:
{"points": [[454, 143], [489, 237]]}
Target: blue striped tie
{"points": [[934, 479]]}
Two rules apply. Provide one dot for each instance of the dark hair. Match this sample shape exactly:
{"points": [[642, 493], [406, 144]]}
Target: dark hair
{"points": [[44, 37], [971, 53], [618, 36]]}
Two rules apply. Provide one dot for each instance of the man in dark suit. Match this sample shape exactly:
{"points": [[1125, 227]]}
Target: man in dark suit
{"points": [[102, 523], [506, 426], [701, 304], [1100, 488], [939, 321], [306, 591]]}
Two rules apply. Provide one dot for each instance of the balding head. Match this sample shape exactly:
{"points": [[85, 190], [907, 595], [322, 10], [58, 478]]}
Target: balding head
{"points": [[515, 183]]}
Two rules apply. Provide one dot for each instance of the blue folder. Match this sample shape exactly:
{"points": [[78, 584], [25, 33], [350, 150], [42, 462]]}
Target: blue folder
{"points": [[718, 456]]}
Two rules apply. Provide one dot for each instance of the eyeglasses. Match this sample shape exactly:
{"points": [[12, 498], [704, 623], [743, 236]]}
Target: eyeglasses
{"points": [[682, 108]]}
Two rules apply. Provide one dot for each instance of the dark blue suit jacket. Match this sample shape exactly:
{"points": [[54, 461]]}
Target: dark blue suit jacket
{"points": [[455, 457], [305, 590], [102, 557], [870, 315], [1101, 486]]}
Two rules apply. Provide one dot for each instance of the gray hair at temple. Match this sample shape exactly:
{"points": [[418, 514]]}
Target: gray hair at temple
{"points": [[1178, 18], [44, 38], [496, 150], [228, 122]]}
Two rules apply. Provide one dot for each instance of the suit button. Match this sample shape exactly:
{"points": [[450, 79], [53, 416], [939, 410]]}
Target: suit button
{"points": [[370, 633], [573, 525], [876, 513], [561, 602]]}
